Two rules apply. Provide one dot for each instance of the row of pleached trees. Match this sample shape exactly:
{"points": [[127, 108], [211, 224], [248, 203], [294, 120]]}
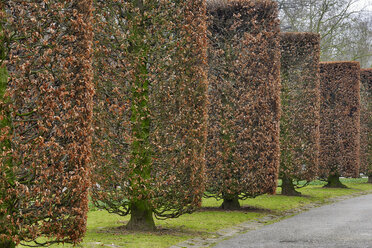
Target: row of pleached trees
{"points": [[151, 105]]}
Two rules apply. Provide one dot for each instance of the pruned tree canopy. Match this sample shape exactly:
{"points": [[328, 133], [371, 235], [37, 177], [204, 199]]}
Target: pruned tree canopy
{"points": [[339, 119], [366, 121], [300, 98], [150, 108], [244, 87], [47, 108]]}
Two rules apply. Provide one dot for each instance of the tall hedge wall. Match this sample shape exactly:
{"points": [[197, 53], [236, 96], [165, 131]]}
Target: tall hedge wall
{"points": [[5, 149], [339, 119], [244, 87], [300, 98], [366, 122], [46, 172], [150, 112]]}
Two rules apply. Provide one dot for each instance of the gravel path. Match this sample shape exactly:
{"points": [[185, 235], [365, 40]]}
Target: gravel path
{"points": [[345, 224]]}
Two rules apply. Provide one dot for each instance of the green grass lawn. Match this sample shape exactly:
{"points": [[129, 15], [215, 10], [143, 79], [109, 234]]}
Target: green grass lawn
{"points": [[104, 229]]}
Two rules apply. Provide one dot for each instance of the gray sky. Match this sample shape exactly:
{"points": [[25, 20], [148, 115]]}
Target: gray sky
{"points": [[363, 5]]}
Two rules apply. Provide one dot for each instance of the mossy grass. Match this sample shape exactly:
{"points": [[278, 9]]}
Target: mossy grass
{"points": [[108, 229]]}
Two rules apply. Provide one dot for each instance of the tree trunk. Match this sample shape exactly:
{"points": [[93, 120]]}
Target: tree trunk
{"points": [[370, 179], [141, 218], [334, 182], [231, 203], [7, 244], [288, 187]]}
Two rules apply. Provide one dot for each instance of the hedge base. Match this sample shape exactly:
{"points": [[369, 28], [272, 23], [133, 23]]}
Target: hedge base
{"points": [[333, 181], [7, 244], [231, 204], [141, 218], [288, 187], [370, 179]]}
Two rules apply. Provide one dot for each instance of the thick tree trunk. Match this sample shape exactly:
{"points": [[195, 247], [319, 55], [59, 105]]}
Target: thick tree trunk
{"points": [[141, 218], [288, 187], [7, 244], [370, 179], [230, 203], [334, 182]]}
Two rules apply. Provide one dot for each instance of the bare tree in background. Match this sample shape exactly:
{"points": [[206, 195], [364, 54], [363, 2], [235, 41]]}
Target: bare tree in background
{"points": [[358, 41], [346, 33]]}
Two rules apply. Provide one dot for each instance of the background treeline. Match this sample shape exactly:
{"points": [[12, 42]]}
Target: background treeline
{"points": [[345, 26]]}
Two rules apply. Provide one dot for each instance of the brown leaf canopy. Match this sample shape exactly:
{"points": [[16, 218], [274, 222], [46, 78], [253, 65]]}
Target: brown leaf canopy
{"points": [[300, 96], [366, 121], [150, 105], [51, 91], [244, 87], [339, 119]]}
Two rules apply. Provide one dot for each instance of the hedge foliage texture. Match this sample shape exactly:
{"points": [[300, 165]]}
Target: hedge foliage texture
{"points": [[5, 127], [300, 96], [150, 112], [339, 119], [366, 121], [244, 88], [45, 169]]}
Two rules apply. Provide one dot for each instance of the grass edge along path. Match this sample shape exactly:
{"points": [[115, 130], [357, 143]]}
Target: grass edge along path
{"points": [[211, 225], [228, 233]]}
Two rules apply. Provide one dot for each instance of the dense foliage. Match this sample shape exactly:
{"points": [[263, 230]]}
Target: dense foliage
{"points": [[339, 119], [244, 87], [366, 122], [153, 151], [300, 96], [47, 108], [5, 130], [150, 108]]}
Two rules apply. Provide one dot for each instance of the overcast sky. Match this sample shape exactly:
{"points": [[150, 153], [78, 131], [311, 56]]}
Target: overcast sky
{"points": [[363, 4]]}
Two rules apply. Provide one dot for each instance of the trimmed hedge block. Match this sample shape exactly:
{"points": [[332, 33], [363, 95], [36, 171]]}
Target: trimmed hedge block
{"points": [[150, 115], [366, 121], [46, 174], [244, 76], [300, 98], [339, 119]]}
